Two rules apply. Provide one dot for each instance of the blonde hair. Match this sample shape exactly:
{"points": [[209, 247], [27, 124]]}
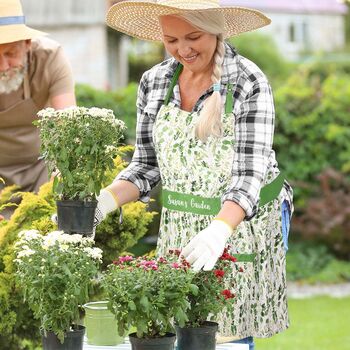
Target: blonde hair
{"points": [[209, 122]]}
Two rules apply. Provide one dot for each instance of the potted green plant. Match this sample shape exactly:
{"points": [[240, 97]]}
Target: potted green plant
{"points": [[79, 145], [209, 297], [54, 272], [148, 294]]}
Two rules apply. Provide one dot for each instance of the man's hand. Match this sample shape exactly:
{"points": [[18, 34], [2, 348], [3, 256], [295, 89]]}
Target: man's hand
{"points": [[207, 246]]}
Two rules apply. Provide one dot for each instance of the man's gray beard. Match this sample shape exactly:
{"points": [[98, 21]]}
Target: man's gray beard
{"points": [[7, 84]]}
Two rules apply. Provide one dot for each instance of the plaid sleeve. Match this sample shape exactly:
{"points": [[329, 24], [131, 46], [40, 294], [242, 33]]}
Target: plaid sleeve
{"points": [[143, 169], [254, 130]]}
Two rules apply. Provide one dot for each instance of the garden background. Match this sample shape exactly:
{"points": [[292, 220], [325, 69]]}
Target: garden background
{"points": [[312, 98]]}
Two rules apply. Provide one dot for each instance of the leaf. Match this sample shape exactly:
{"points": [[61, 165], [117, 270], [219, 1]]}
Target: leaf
{"points": [[144, 302], [194, 289], [131, 305]]}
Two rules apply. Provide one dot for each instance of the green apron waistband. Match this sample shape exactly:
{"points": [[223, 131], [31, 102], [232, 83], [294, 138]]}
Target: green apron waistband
{"points": [[245, 257], [190, 203], [211, 206]]}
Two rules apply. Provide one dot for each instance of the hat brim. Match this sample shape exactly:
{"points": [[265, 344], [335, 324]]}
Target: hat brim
{"points": [[141, 19], [17, 32]]}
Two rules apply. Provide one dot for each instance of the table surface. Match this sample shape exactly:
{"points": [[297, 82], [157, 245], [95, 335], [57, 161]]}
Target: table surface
{"points": [[127, 346]]}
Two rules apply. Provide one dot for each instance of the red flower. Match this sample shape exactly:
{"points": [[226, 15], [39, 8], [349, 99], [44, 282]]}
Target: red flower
{"points": [[219, 273], [177, 252], [227, 294], [162, 260]]}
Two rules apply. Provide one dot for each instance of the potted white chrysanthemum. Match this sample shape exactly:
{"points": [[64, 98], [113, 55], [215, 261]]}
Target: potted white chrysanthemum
{"points": [[55, 272], [79, 144]]}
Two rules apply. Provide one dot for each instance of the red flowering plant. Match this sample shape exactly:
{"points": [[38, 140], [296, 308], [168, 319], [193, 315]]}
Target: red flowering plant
{"points": [[148, 294], [212, 292]]}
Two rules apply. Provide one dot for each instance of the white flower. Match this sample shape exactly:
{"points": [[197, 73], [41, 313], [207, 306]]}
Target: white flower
{"points": [[95, 253], [64, 247], [51, 238], [24, 253], [29, 235]]}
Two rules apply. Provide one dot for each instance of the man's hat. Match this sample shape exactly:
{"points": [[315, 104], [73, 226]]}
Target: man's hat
{"points": [[140, 19], [12, 23]]}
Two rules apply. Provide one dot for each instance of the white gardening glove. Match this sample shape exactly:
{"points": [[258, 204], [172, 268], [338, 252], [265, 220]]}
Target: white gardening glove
{"points": [[106, 203], [207, 246]]}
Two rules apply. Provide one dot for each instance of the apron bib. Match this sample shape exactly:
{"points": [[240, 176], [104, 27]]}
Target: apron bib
{"points": [[20, 145], [194, 176]]}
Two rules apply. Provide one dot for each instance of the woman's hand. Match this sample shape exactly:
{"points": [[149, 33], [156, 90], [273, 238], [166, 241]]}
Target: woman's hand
{"points": [[207, 246]]}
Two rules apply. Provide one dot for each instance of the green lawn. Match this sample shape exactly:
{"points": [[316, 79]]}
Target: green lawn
{"points": [[319, 323]]}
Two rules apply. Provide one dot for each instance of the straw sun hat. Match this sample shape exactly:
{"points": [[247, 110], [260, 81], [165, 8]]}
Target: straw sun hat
{"points": [[12, 23], [140, 18]]}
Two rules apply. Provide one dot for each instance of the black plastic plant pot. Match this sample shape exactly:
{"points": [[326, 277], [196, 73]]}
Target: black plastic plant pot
{"points": [[161, 343], [203, 337], [73, 340], [76, 216]]}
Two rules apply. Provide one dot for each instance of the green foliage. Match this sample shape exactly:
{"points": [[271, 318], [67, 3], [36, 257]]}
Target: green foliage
{"points": [[305, 260], [121, 101], [55, 272], [34, 212], [263, 51], [326, 218], [142, 56], [16, 319], [312, 127], [312, 263], [81, 144], [210, 294], [148, 294], [115, 238]]}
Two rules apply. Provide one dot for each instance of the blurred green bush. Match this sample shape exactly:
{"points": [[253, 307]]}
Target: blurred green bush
{"points": [[312, 127], [121, 101], [262, 50]]}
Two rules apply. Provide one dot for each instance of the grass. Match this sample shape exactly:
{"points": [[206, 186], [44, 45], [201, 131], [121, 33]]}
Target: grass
{"points": [[320, 323]]}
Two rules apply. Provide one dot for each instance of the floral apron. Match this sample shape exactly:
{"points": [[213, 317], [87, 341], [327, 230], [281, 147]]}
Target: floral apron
{"points": [[194, 176]]}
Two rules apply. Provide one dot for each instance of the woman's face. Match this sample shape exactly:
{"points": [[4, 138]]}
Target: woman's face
{"points": [[188, 45]]}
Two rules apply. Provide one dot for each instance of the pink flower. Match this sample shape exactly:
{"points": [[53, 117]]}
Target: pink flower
{"points": [[176, 265], [126, 258], [149, 265]]}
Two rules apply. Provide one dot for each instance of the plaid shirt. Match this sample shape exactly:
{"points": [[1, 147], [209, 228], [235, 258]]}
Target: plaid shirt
{"points": [[254, 128]]}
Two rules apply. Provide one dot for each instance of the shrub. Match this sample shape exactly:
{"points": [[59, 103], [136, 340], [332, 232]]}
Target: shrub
{"points": [[122, 102], [312, 128], [327, 215], [34, 212], [263, 51]]}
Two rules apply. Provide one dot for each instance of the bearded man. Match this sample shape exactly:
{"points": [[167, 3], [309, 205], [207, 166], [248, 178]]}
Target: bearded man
{"points": [[34, 74]]}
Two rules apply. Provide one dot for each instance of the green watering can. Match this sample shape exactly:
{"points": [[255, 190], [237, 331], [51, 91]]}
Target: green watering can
{"points": [[101, 326]]}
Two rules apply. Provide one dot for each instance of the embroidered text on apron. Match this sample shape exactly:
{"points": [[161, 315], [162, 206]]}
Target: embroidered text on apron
{"points": [[20, 145], [194, 176]]}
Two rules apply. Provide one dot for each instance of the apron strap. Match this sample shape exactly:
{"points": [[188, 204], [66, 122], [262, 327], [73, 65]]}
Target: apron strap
{"points": [[272, 190], [26, 87], [175, 78], [229, 99], [173, 83]]}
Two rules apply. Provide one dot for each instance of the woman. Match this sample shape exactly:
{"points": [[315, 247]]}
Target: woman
{"points": [[205, 129]]}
